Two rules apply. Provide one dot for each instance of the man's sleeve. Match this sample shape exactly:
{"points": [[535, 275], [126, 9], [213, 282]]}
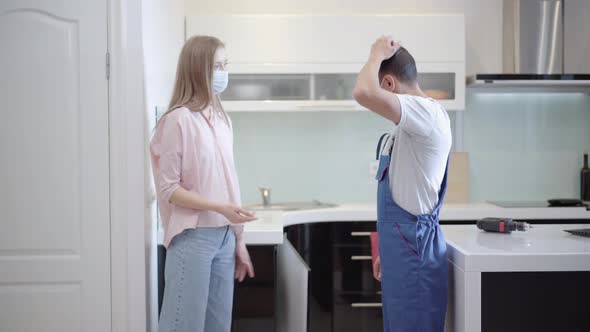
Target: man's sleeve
{"points": [[417, 115]]}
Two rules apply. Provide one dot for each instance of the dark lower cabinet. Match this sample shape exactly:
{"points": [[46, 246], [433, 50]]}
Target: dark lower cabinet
{"points": [[353, 271], [343, 296], [255, 299], [357, 319], [254, 307], [313, 242], [358, 313], [535, 301]]}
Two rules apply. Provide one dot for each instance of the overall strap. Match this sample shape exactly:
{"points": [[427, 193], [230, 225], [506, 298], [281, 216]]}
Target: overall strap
{"points": [[443, 187], [383, 140]]}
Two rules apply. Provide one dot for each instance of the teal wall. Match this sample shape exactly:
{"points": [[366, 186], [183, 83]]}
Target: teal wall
{"points": [[526, 146], [521, 147]]}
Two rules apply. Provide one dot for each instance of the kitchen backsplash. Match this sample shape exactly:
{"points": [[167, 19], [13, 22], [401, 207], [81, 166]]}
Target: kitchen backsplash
{"points": [[521, 147], [526, 146]]}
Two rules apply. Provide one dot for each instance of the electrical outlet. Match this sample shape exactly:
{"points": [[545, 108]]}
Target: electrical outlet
{"points": [[373, 168]]}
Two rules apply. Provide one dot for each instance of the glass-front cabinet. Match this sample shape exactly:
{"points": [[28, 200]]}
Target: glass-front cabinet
{"points": [[299, 63], [327, 91]]}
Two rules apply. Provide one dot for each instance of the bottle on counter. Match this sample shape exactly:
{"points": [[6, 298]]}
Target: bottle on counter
{"points": [[585, 180]]}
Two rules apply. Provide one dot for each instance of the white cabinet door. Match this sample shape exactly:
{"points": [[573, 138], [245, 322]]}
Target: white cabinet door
{"points": [[330, 39], [54, 173], [292, 285], [310, 62]]}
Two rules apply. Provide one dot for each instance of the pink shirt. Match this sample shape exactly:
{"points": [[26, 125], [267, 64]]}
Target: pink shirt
{"points": [[191, 152]]}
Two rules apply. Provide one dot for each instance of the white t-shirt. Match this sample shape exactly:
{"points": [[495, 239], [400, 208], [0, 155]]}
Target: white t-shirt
{"points": [[422, 144]]}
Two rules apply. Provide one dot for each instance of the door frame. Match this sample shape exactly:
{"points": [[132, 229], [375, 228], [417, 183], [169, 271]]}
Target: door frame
{"points": [[129, 195]]}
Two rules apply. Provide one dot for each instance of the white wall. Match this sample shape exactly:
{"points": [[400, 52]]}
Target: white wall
{"points": [[483, 18], [163, 37]]}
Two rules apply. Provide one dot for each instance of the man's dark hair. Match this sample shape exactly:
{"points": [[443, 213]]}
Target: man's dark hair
{"points": [[401, 65]]}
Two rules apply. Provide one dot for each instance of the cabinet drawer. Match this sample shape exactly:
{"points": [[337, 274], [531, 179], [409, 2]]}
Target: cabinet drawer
{"points": [[353, 270], [359, 313], [353, 233]]}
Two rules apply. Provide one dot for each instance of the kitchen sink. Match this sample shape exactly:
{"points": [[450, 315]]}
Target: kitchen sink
{"points": [[291, 206]]}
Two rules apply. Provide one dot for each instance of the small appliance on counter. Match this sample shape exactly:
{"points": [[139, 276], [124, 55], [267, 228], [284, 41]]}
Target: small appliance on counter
{"points": [[568, 202], [564, 202]]}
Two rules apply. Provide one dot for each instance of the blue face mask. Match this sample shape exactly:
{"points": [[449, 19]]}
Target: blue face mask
{"points": [[220, 80]]}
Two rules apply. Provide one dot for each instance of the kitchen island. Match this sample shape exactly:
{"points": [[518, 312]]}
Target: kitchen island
{"points": [[334, 253], [269, 228], [537, 280]]}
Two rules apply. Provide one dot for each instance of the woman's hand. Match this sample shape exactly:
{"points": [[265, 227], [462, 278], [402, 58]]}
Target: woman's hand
{"points": [[243, 263], [235, 214], [377, 269]]}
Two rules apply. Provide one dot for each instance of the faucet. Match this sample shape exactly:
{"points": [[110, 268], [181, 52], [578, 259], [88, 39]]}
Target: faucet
{"points": [[265, 192]]}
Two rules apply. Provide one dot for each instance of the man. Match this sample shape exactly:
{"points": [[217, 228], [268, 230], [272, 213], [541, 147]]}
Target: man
{"points": [[412, 264]]}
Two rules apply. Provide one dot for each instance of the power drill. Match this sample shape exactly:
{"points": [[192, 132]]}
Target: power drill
{"points": [[502, 225]]}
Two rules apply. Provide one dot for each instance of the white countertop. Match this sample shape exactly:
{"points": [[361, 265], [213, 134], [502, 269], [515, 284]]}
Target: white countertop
{"points": [[269, 228], [542, 248], [368, 212]]}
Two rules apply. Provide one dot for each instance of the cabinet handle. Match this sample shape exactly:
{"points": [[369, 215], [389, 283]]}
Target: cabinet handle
{"points": [[329, 106], [361, 258], [366, 305], [360, 233]]}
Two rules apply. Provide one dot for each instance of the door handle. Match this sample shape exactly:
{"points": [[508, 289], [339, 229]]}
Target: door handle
{"points": [[321, 107]]}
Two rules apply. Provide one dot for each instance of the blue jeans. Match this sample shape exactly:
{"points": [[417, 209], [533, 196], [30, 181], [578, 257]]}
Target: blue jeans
{"points": [[199, 275]]}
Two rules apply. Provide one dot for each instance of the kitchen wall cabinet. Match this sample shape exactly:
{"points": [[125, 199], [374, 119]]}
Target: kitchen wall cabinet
{"points": [[322, 92], [295, 62]]}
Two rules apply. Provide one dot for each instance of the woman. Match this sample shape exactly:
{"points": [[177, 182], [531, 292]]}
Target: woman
{"points": [[199, 195]]}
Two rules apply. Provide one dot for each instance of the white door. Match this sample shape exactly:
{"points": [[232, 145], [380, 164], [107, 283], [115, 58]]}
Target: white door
{"points": [[54, 169]]}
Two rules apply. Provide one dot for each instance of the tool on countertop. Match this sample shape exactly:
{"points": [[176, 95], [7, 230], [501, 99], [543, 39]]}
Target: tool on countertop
{"points": [[502, 225]]}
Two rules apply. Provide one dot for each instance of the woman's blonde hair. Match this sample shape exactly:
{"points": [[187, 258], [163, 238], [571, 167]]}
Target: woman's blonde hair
{"points": [[192, 88]]}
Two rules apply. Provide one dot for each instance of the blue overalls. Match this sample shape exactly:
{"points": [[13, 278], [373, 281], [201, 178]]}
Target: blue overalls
{"points": [[413, 256]]}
